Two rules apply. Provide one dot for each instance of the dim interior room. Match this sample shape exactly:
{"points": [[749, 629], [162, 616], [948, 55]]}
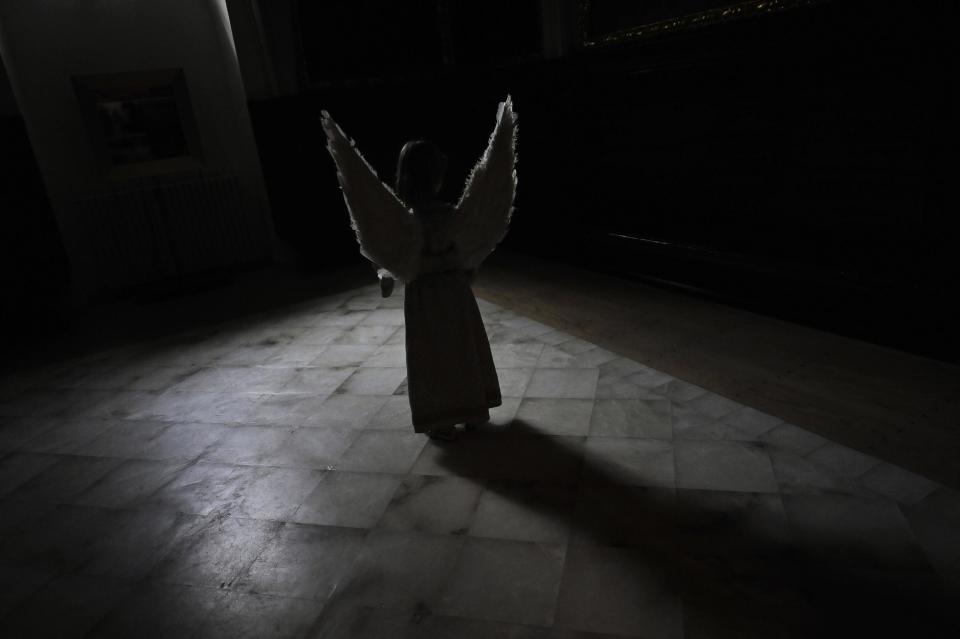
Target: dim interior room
{"points": [[721, 320]]}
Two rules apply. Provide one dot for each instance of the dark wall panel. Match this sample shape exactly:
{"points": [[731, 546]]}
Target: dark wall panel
{"points": [[793, 163]]}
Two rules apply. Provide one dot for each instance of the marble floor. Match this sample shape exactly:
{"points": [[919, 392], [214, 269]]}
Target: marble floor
{"points": [[260, 478]]}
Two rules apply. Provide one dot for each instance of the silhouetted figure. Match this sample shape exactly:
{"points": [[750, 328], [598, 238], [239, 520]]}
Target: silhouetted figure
{"points": [[435, 248]]}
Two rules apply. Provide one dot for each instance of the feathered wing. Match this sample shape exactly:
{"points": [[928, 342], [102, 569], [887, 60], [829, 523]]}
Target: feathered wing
{"points": [[386, 230], [484, 210]]}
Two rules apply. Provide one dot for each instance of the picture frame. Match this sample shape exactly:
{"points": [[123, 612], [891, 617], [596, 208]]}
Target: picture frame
{"points": [[140, 123]]}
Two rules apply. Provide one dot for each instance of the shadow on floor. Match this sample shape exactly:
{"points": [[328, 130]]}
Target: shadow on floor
{"points": [[118, 323], [734, 577]]}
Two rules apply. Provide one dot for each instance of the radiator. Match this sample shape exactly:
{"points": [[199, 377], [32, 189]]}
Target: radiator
{"points": [[164, 231]]}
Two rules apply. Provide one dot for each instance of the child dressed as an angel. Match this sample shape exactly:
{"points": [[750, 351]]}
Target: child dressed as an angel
{"points": [[435, 248]]}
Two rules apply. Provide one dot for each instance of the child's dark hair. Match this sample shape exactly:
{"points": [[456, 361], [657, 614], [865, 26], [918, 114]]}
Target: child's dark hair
{"points": [[419, 172]]}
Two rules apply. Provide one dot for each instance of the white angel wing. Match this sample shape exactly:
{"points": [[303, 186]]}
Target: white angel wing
{"points": [[388, 234], [484, 210]]}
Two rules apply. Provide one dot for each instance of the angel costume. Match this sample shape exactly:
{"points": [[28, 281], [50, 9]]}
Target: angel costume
{"points": [[435, 248]]}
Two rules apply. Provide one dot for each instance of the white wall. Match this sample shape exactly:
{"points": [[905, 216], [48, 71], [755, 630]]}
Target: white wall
{"points": [[44, 43]]}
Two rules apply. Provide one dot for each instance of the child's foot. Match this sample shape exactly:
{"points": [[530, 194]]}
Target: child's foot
{"points": [[386, 286], [474, 424], [447, 434]]}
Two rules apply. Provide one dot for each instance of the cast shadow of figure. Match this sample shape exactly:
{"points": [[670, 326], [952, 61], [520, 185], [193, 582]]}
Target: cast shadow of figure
{"points": [[736, 575]]}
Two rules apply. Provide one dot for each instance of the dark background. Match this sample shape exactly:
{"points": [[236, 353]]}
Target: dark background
{"points": [[795, 163]]}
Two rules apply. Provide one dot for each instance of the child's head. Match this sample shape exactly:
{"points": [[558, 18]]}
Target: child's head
{"points": [[420, 172]]}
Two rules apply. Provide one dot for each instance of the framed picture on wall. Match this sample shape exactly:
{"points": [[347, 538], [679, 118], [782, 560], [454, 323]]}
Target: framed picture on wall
{"points": [[140, 123]]}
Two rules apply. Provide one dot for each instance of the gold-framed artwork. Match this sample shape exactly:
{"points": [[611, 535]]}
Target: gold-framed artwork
{"points": [[606, 22]]}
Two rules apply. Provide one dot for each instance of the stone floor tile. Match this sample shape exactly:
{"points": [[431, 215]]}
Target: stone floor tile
{"points": [[198, 407], [643, 462], [67, 436], [352, 411], [651, 379], [317, 448], [689, 424], [852, 531], [158, 378], [675, 389], [400, 569], [503, 580], [366, 335], [124, 439], [384, 317], [575, 346], [799, 476], [398, 338], [383, 451], [793, 439], [649, 418], [842, 461], [524, 511], [276, 493], [19, 468], [619, 367], [431, 504], [64, 480], [751, 423], [367, 302], [315, 380], [245, 444], [321, 335], [612, 388], [393, 414], [387, 356], [340, 620], [344, 318], [516, 453], [80, 602], [514, 381], [724, 465], [516, 355], [203, 488], [373, 381], [730, 524], [608, 512], [129, 484], [551, 357], [348, 499], [60, 539], [159, 611], [20, 516], [217, 552], [935, 521], [296, 355], [577, 383], [226, 378], [612, 590], [556, 416], [244, 616], [897, 483], [304, 561], [293, 409], [553, 337], [17, 583], [16, 431], [713, 405], [503, 415], [186, 441], [132, 542]]}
